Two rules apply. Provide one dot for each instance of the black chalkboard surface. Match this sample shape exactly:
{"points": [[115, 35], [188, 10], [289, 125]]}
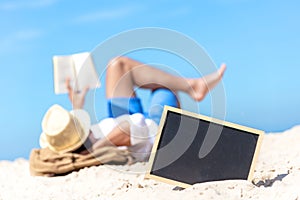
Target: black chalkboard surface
{"points": [[176, 157]]}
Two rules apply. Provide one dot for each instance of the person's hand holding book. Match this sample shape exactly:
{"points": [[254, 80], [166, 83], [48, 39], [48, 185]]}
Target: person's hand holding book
{"points": [[77, 98]]}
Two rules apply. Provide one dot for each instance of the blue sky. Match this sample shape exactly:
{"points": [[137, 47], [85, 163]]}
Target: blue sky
{"points": [[259, 41]]}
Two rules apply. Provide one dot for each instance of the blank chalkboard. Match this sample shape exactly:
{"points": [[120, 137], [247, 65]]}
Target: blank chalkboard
{"points": [[176, 156]]}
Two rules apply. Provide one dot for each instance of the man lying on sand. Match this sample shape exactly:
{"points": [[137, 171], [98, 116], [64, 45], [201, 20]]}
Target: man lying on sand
{"points": [[127, 125]]}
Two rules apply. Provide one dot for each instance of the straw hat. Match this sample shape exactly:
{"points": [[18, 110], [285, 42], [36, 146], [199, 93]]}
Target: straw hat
{"points": [[64, 131]]}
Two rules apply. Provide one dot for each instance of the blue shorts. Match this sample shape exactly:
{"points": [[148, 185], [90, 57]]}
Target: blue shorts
{"points": [[159, 98]]}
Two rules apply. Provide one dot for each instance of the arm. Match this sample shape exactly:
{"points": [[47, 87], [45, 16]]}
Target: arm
{"points": [[77, 98], [119, 136]]}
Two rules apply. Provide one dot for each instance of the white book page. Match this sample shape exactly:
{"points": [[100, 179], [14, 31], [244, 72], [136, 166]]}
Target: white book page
{"points": [[85, 71], [63, 69]]}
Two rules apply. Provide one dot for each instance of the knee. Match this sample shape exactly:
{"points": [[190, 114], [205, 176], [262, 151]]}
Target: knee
{"points": [[117, 63]]}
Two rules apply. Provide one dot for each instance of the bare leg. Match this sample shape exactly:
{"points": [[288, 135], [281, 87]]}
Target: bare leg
{"points": [[124, 73]]}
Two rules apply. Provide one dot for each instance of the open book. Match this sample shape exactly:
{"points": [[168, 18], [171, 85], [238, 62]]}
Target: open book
{"points": [[79, 68]]}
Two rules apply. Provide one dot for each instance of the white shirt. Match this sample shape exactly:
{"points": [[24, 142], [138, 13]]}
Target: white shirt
{"points": [[142, 132]]}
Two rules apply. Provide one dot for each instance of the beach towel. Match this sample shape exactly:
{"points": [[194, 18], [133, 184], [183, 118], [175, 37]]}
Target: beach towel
{"points": [[44, 162]]}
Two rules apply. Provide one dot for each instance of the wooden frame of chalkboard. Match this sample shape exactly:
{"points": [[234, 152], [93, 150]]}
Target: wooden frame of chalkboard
{"points": [[232, 157]]}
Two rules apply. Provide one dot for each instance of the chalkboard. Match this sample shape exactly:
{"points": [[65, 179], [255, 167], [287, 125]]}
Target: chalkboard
{"points": [[176, 157]]}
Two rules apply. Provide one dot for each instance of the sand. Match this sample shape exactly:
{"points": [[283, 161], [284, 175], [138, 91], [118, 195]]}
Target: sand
{"points": [[276, 176]]}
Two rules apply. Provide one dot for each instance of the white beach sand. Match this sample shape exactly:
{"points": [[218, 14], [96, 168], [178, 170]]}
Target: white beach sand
{"points": [[277, 176]]}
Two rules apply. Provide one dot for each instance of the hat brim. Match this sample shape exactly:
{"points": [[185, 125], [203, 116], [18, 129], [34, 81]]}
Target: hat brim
{"points": [[85, 123]]}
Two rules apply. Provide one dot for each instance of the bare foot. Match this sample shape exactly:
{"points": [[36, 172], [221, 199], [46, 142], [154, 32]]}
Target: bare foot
{"points": [[201, 86]]}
